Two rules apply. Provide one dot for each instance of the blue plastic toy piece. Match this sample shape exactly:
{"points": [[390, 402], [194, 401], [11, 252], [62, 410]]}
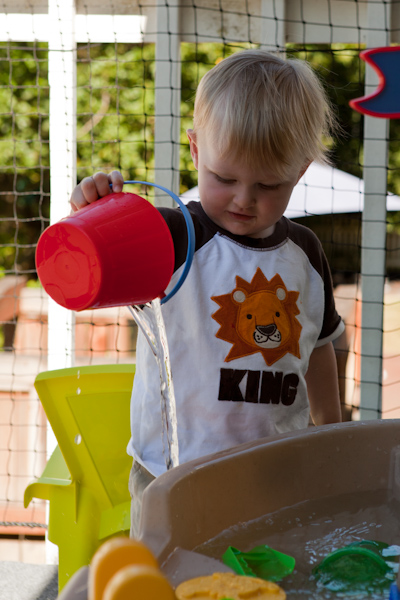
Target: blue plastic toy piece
{"points": [[191, 236]]}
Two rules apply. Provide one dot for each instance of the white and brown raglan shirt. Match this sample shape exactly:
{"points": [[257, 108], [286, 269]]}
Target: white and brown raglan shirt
{"points": [[240, 332]]}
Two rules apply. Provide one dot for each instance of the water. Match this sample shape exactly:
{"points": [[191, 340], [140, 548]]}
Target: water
{"points": [[150, 320], [310, 531]]}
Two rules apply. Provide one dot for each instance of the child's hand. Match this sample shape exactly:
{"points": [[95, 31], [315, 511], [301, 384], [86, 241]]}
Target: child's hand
{"points": [[91, 189]]}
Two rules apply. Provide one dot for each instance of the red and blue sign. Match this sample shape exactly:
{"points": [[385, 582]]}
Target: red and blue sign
{"points": [[385, 101]]}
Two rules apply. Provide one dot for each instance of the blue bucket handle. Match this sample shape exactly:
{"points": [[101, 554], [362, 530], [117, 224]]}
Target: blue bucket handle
{"points": [[191, 236]]}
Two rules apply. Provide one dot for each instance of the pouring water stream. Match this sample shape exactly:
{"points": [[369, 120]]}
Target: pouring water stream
{"points": [[150, 320]]}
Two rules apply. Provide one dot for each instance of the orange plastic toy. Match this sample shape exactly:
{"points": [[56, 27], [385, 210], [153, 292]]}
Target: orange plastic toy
{"points": [[139, 582], [114, 555]]}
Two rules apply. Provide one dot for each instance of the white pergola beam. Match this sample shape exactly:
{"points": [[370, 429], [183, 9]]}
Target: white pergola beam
{"points": [[88, 28]]}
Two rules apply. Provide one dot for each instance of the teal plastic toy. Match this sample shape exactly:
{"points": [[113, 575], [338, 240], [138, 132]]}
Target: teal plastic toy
{"points": [[355, 568]]}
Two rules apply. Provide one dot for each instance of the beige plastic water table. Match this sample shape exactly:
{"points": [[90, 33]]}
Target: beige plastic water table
{"points": [[195, 502]]}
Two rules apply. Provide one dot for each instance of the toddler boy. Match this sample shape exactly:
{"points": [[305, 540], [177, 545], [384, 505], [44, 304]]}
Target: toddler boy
{"points": [[250, 332]]}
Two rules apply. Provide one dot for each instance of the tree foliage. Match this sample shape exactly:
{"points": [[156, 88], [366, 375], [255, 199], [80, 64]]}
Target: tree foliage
{"points": [[24, 153]]}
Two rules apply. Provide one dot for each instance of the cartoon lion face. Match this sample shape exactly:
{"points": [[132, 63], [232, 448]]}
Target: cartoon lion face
{"points": [[259, 316], [262, 319]]}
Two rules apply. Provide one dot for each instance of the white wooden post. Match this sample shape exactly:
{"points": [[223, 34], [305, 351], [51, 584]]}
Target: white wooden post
{"points": [[167, 100], [373, 228], [273, 25], [62, 82]]}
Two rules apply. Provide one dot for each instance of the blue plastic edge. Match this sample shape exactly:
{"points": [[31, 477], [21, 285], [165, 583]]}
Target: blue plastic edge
{"points": [[191, 236]]}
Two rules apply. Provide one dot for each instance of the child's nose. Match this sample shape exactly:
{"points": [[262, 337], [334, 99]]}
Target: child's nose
{"points": [[244, 197]]}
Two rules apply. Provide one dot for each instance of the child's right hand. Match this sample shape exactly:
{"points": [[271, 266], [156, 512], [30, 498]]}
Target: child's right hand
{"points": [[91, 189]]}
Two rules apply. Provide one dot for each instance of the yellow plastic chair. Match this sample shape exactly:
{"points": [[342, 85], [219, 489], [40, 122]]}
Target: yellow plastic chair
{"points": [[86, 478]]}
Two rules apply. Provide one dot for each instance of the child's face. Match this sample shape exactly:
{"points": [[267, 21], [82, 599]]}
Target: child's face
{"points": [[242, 200]]}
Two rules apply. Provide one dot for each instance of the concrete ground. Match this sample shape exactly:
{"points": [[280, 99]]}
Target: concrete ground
{"points": [[21, 581], [24, 574]]}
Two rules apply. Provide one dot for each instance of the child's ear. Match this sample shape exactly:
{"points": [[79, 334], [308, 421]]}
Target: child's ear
{"points": [[303, 170], [194, 151]]}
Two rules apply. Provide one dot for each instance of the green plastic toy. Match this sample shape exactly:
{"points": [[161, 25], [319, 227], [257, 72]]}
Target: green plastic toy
{"points": [[261, 561], [358, 567]]}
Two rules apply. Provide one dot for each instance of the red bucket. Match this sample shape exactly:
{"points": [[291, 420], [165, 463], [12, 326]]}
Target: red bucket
{"points": [[115, 252]]}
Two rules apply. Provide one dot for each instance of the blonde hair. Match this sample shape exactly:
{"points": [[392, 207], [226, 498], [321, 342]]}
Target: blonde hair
{"points": [[265, 110]]}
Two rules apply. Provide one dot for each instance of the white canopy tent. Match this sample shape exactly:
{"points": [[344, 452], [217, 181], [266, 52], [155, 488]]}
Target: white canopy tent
{"points": [[323, 190]]}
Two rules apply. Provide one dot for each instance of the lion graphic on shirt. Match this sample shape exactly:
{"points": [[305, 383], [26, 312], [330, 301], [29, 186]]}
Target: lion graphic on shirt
{"points": [[259, 316]]}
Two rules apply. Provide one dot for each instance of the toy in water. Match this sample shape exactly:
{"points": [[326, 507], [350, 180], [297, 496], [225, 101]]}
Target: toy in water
{"points": [[125, 569], [385, 101], [261, 561], [229, 586], [117, 251], [394, 593], [356, 568]]}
